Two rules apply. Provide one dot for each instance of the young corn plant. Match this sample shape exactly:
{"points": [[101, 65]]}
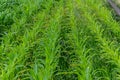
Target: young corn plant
{"points": [[46, 62], [107, 46], [58, 40], [7, 14], [16, 54], [110, 25], [64, 71], [71, 58], [19, 25], [81, 64]]}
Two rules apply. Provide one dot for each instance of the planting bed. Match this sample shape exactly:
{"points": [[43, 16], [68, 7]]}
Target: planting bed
{"points": [[59, 40]]}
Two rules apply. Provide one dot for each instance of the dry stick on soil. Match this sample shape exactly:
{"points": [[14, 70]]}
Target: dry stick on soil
{"points": [[114, 6]]}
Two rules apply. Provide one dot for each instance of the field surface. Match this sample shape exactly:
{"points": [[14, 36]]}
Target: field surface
{"points": [[59, 40]]}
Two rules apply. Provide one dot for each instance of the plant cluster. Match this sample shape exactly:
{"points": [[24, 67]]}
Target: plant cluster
{"points": [[58, 40]]}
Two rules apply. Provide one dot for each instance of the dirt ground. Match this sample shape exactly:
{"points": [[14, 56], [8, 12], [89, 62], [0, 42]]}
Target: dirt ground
{"points": [[118, 1]]}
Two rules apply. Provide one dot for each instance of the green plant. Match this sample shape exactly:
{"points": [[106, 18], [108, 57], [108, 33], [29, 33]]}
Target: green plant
{"points": [[58, 40]]}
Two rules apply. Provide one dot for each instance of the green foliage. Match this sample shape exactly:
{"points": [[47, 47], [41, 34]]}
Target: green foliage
{"points": [[58, 40]]}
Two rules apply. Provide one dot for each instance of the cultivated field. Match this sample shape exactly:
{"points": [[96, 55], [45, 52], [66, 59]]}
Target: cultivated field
{"points": [[59, 40]]}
